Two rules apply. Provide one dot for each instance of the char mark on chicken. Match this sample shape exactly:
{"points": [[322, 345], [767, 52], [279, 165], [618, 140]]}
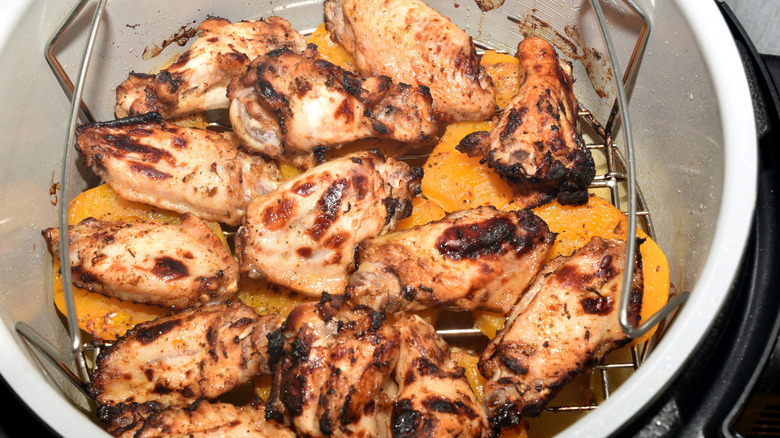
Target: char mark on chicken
{"points": [[566, 322], [535, 139], [197, 80]]}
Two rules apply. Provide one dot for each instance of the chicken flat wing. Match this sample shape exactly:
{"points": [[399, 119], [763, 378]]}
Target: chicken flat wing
{"points": [[333, 361], [435, 398], [204, 419], [172, 361], [186, 170], [287, 104], [481, 258], [197, 80], [536, 138], [414, 44], [566, 322], [172, 265], [303, 235]]}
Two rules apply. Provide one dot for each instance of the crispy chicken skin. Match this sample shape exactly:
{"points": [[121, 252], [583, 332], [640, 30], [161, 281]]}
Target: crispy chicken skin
{"points": [[535, 138], [303, 235], [197, 80], [204, 419], [201, 352], [145, 159], [414, 44], [481, 258], [172, 265], [566, 322], [332, 361], [434, 398], [289, 103]]}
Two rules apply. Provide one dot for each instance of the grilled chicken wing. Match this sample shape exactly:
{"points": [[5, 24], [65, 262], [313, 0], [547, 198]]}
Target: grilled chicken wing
{"points": [[333, 361], [197, 80], [303, 235], [177, 266], [473, 259], [412, 43], [204, 419], [191, 170], [434, 398], [536, 139], [172, 361], [288, 104], [566, 322]]}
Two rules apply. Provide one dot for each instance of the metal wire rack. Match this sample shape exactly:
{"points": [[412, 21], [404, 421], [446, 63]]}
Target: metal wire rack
{"points": [[619, 179]]}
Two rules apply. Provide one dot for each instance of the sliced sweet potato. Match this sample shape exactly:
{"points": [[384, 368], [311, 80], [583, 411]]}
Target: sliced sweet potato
{"points": [[456, 181], [330, 50], [505, 71], [423, 212]]}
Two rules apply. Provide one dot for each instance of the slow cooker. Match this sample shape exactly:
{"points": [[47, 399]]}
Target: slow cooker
{"points": [[704, 118]]}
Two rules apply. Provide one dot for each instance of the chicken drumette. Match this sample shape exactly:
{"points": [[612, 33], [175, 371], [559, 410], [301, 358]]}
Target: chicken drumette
{"points": [[196, 82], [412, 43], [535, 140]]}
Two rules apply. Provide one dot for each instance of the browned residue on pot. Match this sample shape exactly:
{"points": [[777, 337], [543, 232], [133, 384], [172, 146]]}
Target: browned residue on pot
{"points": [[53, 189], [572, 46], [180, 37], [489, 5]]}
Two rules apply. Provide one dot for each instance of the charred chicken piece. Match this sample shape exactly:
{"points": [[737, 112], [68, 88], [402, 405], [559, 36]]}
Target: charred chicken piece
{"points": [[185, 170], [205, 419], [414, 44], [172, 361], [171, 265], [481, 258], [332, 364], [303, 235], [535, 139], [287, 104], [197, 81], [434, 398], [565, 323]]}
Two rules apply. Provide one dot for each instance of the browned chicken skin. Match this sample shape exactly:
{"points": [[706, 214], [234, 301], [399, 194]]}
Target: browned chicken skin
{"points": [[176, 266], [414, 44], [145, 159], [173, 361], [197, 80], [303, 235], [535, 139], [435, 398], [288, 104], [566, 322], [204, 419], [333, 361], [481, 258]]}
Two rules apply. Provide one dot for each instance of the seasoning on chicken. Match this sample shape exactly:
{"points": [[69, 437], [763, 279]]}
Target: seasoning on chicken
{"points": [[535, 139], [565, 323], [332, 361], [206, 419], [172, 265], [481, 258], [185, 170], [287, 104], [197, 81], [303, 235], [434, 398], [412, 43], [202, 352]]}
